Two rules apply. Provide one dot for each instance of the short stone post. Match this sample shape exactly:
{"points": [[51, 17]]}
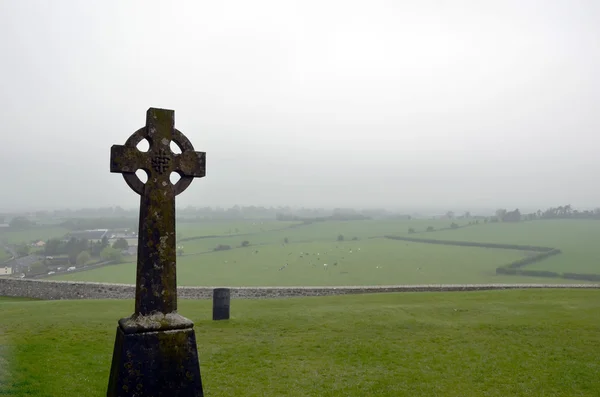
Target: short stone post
{"points": [[221, 302]]}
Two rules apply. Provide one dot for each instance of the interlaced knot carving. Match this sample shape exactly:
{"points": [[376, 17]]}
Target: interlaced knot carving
{"points": [[161, 161]]}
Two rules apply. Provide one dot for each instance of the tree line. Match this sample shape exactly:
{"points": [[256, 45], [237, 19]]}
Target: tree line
{"points": [[560, 212], [74, 248]]}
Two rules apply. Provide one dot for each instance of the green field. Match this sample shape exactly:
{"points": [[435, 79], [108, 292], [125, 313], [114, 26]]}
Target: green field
{"points": [[577, 239], [27, 236], [15, 299], [365, 257], [494, 343], [371, 262], [225, 228], [4, 255]]}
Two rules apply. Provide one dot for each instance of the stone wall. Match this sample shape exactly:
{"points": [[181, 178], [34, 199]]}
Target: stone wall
{"points": [[52, 290]]}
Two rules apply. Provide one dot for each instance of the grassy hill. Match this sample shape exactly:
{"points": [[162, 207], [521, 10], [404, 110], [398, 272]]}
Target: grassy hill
{"points": [[494, 343]]}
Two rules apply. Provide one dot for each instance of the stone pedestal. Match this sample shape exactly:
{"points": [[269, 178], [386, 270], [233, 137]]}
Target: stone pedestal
{"points": [[221, 302], [155, 356]]}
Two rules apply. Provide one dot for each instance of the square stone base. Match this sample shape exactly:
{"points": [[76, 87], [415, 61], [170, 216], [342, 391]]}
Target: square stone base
{"points": [[157, 363]]}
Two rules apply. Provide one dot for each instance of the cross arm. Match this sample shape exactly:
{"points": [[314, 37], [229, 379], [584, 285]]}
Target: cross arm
{"points": [[125, 159], [191, 163]]}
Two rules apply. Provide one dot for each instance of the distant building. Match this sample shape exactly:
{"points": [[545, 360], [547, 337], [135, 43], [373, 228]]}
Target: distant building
{"points": [[23, 264], [5, 270]]}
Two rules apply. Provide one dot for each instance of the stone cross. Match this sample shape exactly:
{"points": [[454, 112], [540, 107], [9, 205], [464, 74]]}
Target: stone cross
{"points": [[156, 284], [155, 351]]}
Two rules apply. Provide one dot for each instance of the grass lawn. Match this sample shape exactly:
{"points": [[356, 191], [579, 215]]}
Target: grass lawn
{"points": [[493, 343]]}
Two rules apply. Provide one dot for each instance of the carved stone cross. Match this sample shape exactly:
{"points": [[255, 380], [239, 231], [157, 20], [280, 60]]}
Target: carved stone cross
{"points": [[156, 284], [155, 351]]}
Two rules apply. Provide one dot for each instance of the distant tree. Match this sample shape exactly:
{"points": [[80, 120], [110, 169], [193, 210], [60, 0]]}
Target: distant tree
{"points": [[73, 255], [454, 226], [411, 230], [245, 243], [104, 243], [120, 244], [82, 258], [286, 240], [82, 245], [95, 248], [53, 247], [340, 237], [71, 245], [467, 215], [430, 228], [23, 250], [111, 254], [354, 238], [512, 216], [450, 215]]}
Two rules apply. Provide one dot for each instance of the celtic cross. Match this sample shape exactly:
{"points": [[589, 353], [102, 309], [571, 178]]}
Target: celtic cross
{"points": [[156, 281]]}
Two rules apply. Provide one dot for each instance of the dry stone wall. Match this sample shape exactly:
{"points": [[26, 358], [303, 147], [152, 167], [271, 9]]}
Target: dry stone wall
{"points": [[56, 290]]}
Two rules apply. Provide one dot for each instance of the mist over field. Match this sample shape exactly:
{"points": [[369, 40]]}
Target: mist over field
{"points": [[418, 106], [355, 151]]}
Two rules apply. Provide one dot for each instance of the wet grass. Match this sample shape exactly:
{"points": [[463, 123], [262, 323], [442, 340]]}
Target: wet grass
{"points": [[493, 343]]}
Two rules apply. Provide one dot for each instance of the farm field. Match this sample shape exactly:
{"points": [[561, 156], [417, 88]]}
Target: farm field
{"points": [[577, 239], [361, 259], [26, 236], [365, 262], [225, 228], [493, 343], [4, 255]]}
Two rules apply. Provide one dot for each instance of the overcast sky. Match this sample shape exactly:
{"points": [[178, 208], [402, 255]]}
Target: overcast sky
{"points": [[451, 104]]}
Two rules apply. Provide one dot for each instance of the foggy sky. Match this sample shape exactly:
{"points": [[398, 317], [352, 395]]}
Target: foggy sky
{"points": [[455, 104]]}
